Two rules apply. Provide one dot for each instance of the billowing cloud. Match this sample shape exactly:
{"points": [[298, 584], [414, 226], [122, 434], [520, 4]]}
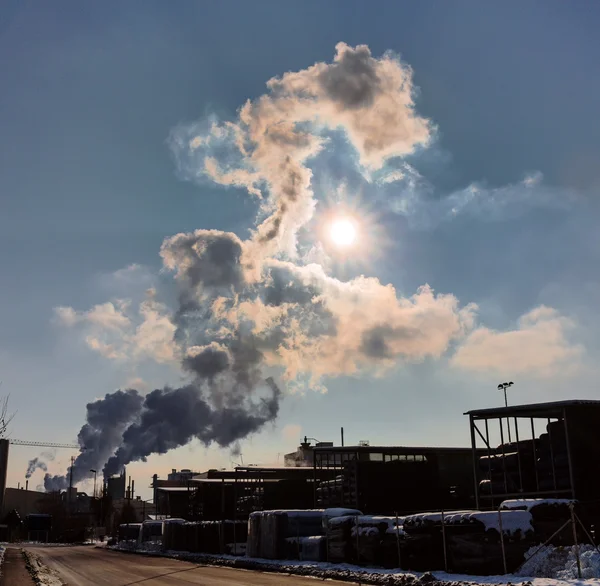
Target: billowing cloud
{"points": [[118, 332], [537, 347], [317, 326], [249, 308], [370, 99]]}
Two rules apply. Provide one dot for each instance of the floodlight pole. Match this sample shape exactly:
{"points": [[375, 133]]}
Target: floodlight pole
{"points": [[505, 386]]}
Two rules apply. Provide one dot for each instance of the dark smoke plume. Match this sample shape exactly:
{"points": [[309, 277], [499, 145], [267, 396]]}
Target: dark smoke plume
{"points": [[106, 419], [171, 418], [241, 307], [34, 465]]}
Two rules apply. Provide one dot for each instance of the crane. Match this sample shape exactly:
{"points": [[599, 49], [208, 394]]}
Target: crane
{"points": [[18, 442]]}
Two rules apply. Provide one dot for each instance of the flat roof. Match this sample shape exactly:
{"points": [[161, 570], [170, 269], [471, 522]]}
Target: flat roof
{"points": [[173, 488], [271, 468], [408, 450], [552, 409], [229, 480]]}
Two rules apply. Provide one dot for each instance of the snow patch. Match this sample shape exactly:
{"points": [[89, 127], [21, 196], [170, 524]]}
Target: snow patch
{"points": [[560, 563], [42, 575]]}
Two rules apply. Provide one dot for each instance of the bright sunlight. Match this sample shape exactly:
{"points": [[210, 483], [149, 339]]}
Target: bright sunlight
{"points": [[343, 232]]}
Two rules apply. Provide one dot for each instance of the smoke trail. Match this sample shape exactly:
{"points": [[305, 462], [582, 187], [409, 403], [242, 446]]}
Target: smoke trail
{"points": [[34, 465], [106, 419], [243, 309]]}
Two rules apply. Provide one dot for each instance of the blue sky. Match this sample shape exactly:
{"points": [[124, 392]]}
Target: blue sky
{"points": [[499, 209]]}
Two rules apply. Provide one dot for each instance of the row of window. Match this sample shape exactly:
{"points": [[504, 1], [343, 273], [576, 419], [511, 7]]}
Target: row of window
{"points": [[324, 460]]}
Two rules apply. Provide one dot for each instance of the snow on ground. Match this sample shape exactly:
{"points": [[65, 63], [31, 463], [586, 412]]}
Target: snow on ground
{"points": [[42, 575], [561, 562], [545, 569], [2, 550]]}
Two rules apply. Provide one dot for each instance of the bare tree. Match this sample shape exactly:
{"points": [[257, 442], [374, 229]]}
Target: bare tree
{"points": [[5, 416]]}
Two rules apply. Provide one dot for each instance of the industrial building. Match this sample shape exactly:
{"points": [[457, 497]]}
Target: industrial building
{"points": [[394, 479], [545, 450]]}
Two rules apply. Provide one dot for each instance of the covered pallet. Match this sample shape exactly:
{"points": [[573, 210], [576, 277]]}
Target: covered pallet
{"points": [[422, 547], [367, 535], [339, 539], [548, 516], [357, 538], [268, 531], [307, 548], [129, 531], [205, 536], [477, 542]]}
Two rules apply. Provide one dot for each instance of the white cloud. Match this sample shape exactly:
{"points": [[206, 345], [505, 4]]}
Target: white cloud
{"points": [[414, 197], [537, 347], [118, 332]]}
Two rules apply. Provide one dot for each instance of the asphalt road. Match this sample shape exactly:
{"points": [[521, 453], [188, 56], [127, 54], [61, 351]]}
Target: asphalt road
{"points": [[90, 566]]}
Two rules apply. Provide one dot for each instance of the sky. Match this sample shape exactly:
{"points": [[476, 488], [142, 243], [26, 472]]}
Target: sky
{"points": [[169, 177]]}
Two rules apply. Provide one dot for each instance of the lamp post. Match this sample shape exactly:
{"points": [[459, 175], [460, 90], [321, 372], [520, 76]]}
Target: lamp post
{"points": [[503, 387]]}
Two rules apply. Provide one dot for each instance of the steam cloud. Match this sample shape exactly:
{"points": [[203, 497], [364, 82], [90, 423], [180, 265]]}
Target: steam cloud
{"points": [[248, 305]]}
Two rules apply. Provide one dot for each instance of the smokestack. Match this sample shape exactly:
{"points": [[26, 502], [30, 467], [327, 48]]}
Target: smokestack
{"points": [[132, 489], [342, 433], [27, 485]]}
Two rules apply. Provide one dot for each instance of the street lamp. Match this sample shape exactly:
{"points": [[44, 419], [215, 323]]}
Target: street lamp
{"points": [[94, 473], [503, 387]]}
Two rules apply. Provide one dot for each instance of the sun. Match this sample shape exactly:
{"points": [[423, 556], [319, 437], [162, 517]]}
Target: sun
{"points": [[343, 232]]}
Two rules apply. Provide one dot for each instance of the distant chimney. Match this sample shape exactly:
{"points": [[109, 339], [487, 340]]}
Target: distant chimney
{"points": [[27, 485]]}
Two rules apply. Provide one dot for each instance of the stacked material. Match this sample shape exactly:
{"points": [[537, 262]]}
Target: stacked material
{"points": [[151, 531], [336, 512], [475, 541], [423, 545], [310, 549], [268, 531], [391, 545], [253, 544], [548, 516], [204, 536], [368, 534], [339, 539], [129, 531], [358, 538]]}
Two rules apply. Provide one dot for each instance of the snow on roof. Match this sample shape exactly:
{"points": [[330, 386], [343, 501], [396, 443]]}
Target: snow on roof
{"points": [[340, 512], [365, 520], [174, 520], [290, 513], [175, 489], [528, 504], [512, 521], [431, 518]]}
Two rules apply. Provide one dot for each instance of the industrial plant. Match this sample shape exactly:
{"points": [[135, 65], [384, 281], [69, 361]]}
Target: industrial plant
{"points": [[525, 479]]}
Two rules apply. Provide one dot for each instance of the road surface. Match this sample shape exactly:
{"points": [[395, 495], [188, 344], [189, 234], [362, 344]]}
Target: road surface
{"points": [[91, 566]]}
